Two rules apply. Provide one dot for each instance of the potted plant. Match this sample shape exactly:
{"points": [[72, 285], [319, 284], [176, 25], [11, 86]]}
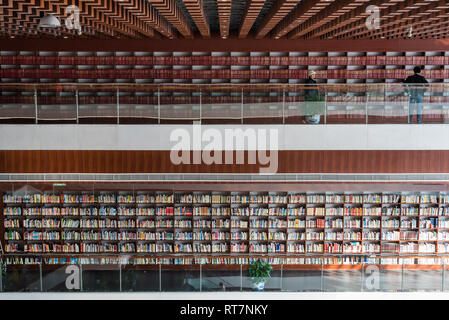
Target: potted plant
{"points": [[314, 107], [259, 273]]}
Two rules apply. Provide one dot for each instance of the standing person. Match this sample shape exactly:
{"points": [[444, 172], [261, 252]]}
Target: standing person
{"points": [[417, 83], [312, 99], [311, 91]]}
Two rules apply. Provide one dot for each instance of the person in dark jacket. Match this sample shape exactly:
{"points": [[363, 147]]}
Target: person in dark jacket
{"points": [[311, 92], [311, 96], [416, 87]]}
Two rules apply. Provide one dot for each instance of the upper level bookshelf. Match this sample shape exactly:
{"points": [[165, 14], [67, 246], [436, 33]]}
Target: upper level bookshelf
{"points": [[220, 223], [219, 67]]}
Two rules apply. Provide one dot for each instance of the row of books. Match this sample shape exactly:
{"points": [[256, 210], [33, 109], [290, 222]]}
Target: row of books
{"points": [[11, 223], [409, 248], [190, 60], [53, 248], [131, 74], [264, 236], [43, 198], [428, 223], [35, 235], [205, 211], [55, 198], [353, 247], [334, 260], [390, 235]]}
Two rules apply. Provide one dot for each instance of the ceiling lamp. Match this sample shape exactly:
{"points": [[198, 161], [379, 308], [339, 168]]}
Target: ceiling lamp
{"points": [[410, 32], [49, 21]]}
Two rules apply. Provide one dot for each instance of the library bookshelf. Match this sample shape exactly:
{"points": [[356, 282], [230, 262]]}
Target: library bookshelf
{"points": [[220, 67], [189, 228]]}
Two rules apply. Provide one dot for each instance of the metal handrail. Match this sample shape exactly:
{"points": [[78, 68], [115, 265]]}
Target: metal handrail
{"points": [[238, 95]]}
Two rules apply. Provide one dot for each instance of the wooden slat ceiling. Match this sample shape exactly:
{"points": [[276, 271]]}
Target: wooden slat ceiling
{"points": [[253, 19]]}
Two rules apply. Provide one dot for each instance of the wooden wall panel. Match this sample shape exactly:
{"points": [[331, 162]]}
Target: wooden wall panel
{"points": [[113, 161], [228, 45]]}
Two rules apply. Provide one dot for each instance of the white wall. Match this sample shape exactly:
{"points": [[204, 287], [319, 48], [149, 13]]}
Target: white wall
{"points": [[291, 137]]}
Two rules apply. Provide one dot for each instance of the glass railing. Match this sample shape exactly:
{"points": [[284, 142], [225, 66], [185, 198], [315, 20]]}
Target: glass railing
{"points": [[121, 274], [390, 103]]}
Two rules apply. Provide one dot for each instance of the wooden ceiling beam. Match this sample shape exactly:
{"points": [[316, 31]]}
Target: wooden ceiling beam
{"points": [[329, 13], [358, 16], [224, 17], [301, 13], [142, 19], [199, 16], [21, 17], [429, 24], [385, 6], [397, 15], [170, 11], [58, 7], [280, 9], [142, 10], [131, 10], [26, 17], [251, 13], [105, 10]]}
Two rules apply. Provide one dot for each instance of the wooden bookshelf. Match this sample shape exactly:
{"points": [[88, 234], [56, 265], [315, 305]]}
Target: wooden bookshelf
{"points": [[344, 104], [226, 223], [270, 67]]}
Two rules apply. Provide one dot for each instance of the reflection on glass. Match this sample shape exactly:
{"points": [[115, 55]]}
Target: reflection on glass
{"points": [[307, 279], [217, 279], [100, 278], [185, 280], [140, 278], [216, 103], [22, 279]]}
